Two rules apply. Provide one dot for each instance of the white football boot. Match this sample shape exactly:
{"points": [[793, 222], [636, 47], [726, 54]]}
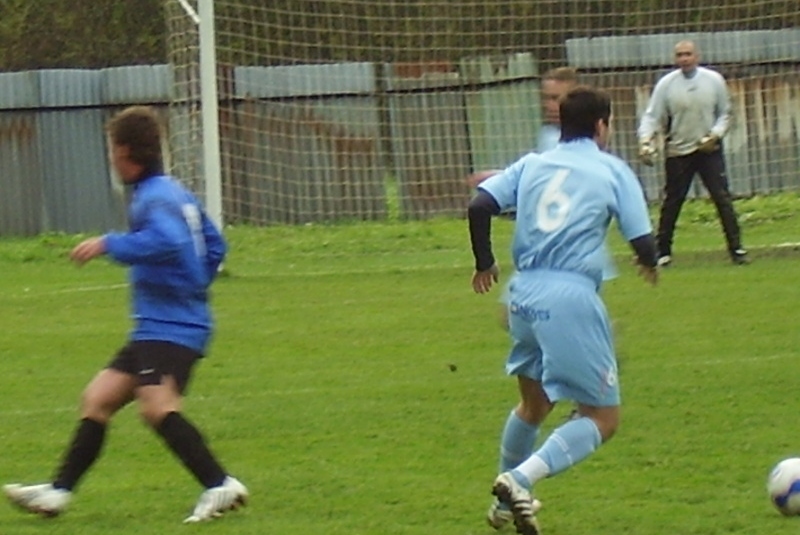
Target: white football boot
{"points": [[519, 500], [215, 501], [44, 499], [498, 516]]}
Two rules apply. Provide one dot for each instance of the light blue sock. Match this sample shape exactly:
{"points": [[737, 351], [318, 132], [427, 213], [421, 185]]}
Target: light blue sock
{"points": [[567, 445], [517, 441]]}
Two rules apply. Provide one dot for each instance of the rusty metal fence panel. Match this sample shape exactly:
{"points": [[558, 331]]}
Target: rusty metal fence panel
{"points": [[302, 144], [21, 189], [54, 175], [503, 103], [429, 138], [447, 120]]}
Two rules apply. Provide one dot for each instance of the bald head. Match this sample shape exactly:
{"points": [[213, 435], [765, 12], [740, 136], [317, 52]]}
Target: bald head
{"points": [[687, 56]]}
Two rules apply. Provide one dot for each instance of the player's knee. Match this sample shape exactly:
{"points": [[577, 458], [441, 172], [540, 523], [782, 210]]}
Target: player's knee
{"points": [[607, 425], [96, 406], [153, 415], [534, 413], [157, 400], [605, 418], [608, 431]]}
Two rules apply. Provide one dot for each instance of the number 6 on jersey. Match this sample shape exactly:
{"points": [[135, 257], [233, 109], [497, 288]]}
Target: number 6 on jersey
{"points": [[553, 206]]}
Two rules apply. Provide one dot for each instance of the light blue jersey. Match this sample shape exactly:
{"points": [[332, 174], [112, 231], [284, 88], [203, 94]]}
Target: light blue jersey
{"points": [[565, 200], [560, 331], [549, 134]]}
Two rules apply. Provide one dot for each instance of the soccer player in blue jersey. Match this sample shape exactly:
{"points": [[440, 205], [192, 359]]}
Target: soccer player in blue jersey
{"points": [[173, 250], [562, 344]]}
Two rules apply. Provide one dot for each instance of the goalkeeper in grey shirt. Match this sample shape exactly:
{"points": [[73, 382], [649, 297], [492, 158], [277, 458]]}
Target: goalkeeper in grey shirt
{"points": [[692, 104]]}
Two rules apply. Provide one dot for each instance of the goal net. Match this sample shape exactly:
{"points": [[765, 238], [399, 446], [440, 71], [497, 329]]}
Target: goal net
{"points": [[337, 110]]}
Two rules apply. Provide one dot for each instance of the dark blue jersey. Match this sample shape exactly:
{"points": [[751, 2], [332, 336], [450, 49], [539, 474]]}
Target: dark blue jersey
{"points": [[174, 251]]}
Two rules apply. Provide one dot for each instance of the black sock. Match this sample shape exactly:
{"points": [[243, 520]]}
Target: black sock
{"points": [[83, 451], [188, 445]]}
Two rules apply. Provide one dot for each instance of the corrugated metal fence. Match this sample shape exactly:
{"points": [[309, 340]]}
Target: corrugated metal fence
{"points": [[334, 142], [299, 144], [54, 172], [302, 144]]}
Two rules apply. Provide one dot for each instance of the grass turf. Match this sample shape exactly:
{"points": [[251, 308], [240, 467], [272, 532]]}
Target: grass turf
{"points": [[328, 389]]}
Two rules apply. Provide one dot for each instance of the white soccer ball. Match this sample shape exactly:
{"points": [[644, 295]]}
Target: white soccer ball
{"points": [[783, 486]]}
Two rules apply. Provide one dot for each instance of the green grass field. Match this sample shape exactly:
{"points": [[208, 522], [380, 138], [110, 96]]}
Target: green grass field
{"points": [[328, 388]]}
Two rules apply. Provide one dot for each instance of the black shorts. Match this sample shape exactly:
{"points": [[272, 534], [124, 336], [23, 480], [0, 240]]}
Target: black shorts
{"points": [[151, 360]]}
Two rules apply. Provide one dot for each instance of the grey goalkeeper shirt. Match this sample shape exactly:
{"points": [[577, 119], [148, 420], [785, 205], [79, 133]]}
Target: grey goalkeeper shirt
{"points": [[688, 107]]}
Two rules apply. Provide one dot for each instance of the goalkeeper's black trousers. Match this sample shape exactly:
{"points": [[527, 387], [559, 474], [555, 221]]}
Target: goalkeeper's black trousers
{"points": [[680, 171]]}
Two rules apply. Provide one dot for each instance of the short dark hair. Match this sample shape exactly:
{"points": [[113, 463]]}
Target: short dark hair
{"points": [[580, 109], [139, 129], [562, 74]]}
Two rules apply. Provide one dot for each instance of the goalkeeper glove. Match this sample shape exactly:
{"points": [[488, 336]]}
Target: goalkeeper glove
{"points": [[647, 153], [708, 143]]}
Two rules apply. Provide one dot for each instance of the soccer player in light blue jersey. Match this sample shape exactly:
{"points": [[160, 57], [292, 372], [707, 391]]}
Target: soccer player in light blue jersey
{"points": [[555, 84], [562, 345], [173, 250]]}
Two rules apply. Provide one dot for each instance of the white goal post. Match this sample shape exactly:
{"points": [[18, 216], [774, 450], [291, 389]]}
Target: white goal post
{"points": [[212, 172]]}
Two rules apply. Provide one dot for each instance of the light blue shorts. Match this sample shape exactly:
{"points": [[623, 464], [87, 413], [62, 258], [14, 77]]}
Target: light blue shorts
{"points": [[561, 336]]}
